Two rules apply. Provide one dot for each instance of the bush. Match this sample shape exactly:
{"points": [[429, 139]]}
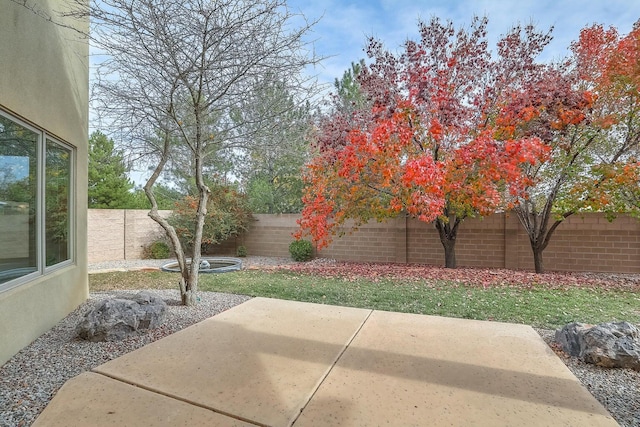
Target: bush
{"points": [[158, 250], [227, 216], [301, 250], [241, 251]]}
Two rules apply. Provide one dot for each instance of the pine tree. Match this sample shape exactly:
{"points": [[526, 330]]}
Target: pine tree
{"points": [[109, 186]]}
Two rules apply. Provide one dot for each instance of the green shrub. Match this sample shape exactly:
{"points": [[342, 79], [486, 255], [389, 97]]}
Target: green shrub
{"points": [[158, 250], [301, 250], [241, 251], [227, 216]]}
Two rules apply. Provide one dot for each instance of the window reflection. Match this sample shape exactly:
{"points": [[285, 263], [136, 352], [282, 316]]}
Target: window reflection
{"points": [[57, 198], [18, 200]]}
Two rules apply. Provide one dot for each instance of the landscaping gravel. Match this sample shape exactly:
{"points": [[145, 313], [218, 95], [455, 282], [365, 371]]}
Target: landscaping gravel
{"points": [[30, 379], [618, 390]]}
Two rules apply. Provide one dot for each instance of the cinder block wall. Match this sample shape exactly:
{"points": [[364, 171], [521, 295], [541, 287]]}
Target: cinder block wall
{"points": [[586, 242], [374, 242], [119, 234], [140, 231], [480, 243], [105, 230], [270, 235], [591, 243], [581, 243]]}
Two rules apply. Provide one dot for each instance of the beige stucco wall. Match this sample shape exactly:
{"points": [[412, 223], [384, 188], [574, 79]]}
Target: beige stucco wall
{"points": [[44, 80]]}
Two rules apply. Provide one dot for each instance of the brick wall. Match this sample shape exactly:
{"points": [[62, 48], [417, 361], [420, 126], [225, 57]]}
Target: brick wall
{"points": [[269, 235], [581, 243], [480, 243], [118, 234], [591, 243], [373, 242]]}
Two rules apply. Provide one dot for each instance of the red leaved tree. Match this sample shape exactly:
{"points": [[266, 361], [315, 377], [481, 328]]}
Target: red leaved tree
{"points": [[586, 111], [425, 142]]}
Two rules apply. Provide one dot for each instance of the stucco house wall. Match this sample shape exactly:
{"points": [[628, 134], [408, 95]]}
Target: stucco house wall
{"points": [[44, 73]]}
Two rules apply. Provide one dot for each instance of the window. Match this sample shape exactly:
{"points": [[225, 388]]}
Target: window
{"points": [[35, 171], [18, 200], [57, 199]]}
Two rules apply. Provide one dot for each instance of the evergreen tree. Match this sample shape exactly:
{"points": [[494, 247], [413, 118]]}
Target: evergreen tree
{"points": [[271, 166], [348, 96], [109, 186], [166, 198]]}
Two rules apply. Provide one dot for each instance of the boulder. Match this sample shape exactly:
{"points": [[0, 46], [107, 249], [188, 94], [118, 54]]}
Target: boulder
{"points": [[611, 345], [115, 319]]}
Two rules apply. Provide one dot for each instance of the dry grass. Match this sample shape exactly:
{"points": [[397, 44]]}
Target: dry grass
{"points": [[138, 279], [545, 305]]}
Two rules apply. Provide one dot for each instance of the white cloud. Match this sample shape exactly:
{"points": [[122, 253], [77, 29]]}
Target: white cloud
{"points": [[344, 28]]}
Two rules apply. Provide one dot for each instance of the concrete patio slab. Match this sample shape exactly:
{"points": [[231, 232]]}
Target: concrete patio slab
{"points": [[95, 400], [281, 363], [260, 361], [413, 370]]}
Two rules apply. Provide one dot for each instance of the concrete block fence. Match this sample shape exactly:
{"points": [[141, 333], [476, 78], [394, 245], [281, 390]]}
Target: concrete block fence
{"points": [[582, 243], [120, 234]]}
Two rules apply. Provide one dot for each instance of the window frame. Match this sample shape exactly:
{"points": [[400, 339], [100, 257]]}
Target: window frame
{"points": [[41, 268], [71, 237]]}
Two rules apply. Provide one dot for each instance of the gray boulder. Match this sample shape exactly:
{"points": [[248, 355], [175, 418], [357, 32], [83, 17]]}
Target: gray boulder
{"points": [[117, 318], [611, 345]]}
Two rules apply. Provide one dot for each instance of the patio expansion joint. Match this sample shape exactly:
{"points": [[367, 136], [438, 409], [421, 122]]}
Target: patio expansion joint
{"points": [[322, 379], [180, 399]]}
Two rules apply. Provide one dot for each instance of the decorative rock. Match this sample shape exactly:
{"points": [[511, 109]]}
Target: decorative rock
{"points": [[570, 338], [611, 345], [117, 318]]}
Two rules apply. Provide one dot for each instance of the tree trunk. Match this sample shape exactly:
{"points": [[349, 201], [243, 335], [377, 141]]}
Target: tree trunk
{"points": [[539, 235], [190, 298], [448, 231], [188, 290], [538, 248], [537, 259], [449, 253]]}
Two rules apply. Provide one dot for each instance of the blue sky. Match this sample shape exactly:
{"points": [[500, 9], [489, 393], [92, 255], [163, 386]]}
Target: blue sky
{"points": [[344, 26], [13, 168]]}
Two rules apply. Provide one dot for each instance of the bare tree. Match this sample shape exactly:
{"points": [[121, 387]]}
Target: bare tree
{"points": [[56, 16], [173, 76]]}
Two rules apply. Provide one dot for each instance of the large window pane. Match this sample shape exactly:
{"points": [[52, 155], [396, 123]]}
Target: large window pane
{"points": [[18, 200], [57, 201]]}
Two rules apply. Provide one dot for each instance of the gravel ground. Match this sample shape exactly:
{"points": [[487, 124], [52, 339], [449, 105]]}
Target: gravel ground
{"points": [[617, 389], [31, 378]]}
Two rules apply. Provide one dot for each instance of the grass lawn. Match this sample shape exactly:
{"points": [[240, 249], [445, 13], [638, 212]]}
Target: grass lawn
{"points": [[537, 306]]}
